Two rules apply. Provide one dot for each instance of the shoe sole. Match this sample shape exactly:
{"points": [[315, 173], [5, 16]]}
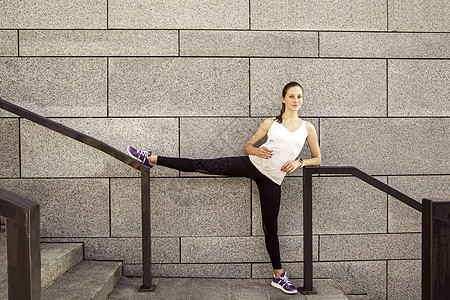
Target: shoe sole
{"points": [[282, 288]]}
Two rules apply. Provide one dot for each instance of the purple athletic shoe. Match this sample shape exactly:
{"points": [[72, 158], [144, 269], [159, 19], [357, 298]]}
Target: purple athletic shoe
{"points": [[140, 155], [284, 284]]}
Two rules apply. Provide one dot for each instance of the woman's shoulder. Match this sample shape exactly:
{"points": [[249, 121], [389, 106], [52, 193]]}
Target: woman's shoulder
{"points": [[309, 126]]}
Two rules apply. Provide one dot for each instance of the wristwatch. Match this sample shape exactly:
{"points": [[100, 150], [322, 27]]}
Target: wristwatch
{"points": [[302, 162]]}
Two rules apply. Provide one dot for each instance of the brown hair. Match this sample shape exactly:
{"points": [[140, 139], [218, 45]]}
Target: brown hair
{"points": [[279, 118]]}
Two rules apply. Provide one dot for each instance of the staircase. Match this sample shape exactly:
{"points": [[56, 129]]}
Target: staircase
{"points": [[64, 273]]}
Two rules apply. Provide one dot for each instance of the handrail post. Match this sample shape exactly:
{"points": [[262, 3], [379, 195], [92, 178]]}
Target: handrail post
{"points": [[307, 234], [435, 249], [23, 246], [146, 232]]}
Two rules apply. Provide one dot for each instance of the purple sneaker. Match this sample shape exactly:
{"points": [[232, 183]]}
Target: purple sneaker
{"points": [[140, 155], [284, 284]]}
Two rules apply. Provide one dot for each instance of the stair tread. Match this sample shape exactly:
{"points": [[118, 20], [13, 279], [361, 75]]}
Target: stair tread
{"points": [[326, 290], [86, 280], [57, 259], [358, 297]]}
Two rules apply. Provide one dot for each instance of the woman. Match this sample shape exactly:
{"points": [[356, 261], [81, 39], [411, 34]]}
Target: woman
{"points": [[266, 165]]}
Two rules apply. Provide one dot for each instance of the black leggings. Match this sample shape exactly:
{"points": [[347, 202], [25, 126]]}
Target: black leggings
{"points": [[269, 191]]}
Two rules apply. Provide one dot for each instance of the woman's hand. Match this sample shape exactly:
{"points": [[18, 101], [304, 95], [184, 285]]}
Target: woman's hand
{"points": [[264, 152], [291, 166]]}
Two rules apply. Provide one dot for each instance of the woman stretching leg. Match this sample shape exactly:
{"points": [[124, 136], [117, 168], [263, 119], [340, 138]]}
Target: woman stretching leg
{"points": [[288, 133]]}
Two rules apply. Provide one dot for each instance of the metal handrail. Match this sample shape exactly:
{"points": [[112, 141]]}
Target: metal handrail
{"points": [[307, 210], [23, 245], [145, 174]]}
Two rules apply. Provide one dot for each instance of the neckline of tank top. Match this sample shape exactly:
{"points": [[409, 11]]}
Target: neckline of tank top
{"points": [[301, 125]]}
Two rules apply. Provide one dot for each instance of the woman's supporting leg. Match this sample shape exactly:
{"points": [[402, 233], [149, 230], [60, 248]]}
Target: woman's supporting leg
{"points": [[270, 196]]}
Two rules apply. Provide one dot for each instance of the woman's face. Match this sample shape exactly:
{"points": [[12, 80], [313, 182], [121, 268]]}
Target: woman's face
{"points": [[293, 99]]}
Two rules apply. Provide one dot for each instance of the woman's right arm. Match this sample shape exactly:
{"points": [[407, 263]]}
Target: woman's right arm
{"points": [[250, 148]]}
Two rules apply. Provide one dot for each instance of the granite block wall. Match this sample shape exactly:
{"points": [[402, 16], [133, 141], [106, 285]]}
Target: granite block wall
{"points": [[195, 78]]}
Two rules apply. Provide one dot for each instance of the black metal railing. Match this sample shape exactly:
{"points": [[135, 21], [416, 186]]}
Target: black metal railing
{"points": [[435, 232], [436, 249], [22, 245], [145, 177]]}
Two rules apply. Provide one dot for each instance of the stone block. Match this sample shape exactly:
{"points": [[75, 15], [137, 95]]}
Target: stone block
{"points": [[370, 247], [69, 207], [403, 218], [128, 250], [38, 144], [178, 87], [192, 270], [183, 207], [8, 46], [387, 146], [240, 249], [359, 86], [344, 15], [418, 88], [419, 15], [248, 43], [54, 14], [340, 205], [347, 205], [178, 14], [352, 277], [216, 137], [99, 43], [386, 45], [56, 87], [9, 148], [404, 278]]}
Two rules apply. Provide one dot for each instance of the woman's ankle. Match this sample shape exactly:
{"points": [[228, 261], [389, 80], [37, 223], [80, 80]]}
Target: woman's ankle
{"points": [[153, 159]]}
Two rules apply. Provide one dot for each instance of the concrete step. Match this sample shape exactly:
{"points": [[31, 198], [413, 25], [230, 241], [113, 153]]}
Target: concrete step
{"points": [[358, 297], [326, 290], [57, 259], [86, 280]]}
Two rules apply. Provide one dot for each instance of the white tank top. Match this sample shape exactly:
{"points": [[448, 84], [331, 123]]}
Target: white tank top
{"points": [[287, 146]]}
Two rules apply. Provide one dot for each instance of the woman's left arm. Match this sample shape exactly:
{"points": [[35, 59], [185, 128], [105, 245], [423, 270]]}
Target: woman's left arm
{"points": [[315, 159], [313, 143]]}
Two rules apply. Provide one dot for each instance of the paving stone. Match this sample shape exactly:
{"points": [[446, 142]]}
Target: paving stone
{"points": [[352, 277], [387, 146], [178, 87], [9, 148], [68, 207], [248, 43], [53, 14], [99, 43], [9, 46], [183, 207], [239, 249], [55, 87], [386, 45], [403, 218], [192, 270], [404, 278], [38, 144], [128, 250], [370, 247], [347, 15], [360, 86], [178, 14], [418, 88], [418, 15]]}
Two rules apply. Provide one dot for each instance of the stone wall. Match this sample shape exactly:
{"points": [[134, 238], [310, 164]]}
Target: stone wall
{"points": [[195, 78]]}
